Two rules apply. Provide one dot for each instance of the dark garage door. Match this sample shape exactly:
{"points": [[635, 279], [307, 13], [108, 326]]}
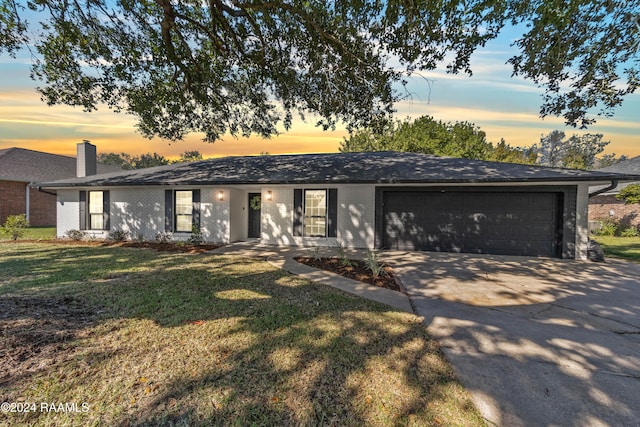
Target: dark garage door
{"points": [[491, 222]]}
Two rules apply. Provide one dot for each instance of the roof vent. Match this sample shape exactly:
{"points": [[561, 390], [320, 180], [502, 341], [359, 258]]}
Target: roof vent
{"points": [[86, 163]]}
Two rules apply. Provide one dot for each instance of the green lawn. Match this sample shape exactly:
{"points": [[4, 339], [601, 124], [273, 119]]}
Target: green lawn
{"points": [[147, 338], [620, 247], [34, 233]]}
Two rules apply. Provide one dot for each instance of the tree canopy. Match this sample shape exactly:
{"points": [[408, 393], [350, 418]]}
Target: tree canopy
{"points": [[466, 140], [190, 156], [148, 160], [575, 152], [246, 67], [428, 136], [129, 162]]}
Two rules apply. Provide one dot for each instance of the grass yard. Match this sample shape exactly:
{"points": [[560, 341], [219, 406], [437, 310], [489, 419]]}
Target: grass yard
{"points": [[34, 233], [148, 338], [620, 247]]}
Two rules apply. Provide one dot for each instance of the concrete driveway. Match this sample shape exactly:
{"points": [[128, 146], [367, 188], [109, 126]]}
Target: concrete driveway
{"points": [[537, 342]]}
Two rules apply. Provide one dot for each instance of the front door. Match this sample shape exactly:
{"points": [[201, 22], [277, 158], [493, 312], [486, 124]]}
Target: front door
{"points": [[254, 214]]}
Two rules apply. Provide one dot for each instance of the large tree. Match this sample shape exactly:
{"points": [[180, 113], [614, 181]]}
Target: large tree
{"points": [[246, 66], [575, 152]]}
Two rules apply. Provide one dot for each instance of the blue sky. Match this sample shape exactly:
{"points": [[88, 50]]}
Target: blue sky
{"points": [[504, 107]]}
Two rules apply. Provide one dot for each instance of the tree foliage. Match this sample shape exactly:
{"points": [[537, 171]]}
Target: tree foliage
{"points": [[575, 152], [630, 194], [607, 160], [249, 66], [122, 160], [148, 160], [190, 156], [428, 136], [503, 152], [129, 162]]}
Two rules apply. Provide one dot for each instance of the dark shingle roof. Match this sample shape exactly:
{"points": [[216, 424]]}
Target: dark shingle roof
{"points": [[627, 167], [20, 164], [631, 166], [335, 168]]}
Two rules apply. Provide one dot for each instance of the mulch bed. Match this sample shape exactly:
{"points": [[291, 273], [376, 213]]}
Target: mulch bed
{"points": [[357, 270], [158, 246]]}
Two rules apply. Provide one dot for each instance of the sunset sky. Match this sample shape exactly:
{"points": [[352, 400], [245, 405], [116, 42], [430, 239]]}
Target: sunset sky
{"points": [[502, 106]]}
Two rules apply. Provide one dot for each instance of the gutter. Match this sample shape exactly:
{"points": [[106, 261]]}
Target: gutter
{"points": [[46, 192], [614, 184]]}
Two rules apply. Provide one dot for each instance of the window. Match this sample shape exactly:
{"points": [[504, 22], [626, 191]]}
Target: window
{"points": [[184, 211], [181, 210], [96, 210], [315, 213]]}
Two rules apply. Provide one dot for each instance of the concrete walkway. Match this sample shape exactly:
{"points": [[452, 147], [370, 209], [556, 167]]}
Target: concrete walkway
{"points": [[537, 342]]}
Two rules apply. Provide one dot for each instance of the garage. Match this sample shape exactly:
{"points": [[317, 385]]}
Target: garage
{"points": [[526, 222]]}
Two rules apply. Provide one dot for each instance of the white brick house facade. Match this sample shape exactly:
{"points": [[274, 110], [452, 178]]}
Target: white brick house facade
{"points": [[401, 201]]}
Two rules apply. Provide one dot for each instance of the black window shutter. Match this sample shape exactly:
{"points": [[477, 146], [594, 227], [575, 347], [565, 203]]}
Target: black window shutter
{"points": [[168, 210], [297, 212], [195, 200], [83, 210], [332, 213], [105, 210]]}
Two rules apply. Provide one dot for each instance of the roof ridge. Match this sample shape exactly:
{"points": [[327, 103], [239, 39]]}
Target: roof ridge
{"points": [[5, 151]]}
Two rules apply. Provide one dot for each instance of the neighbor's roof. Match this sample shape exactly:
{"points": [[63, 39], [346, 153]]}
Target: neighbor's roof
{"points": [[627, 167], [334, 168], [631, 166], [20, 164]]}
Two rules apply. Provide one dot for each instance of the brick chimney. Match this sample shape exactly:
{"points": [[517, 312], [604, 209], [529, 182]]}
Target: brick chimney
{"points": [[86, 163]]}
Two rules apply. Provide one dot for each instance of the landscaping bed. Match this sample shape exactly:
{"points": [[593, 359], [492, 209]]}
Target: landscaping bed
{"points": [[356, 270], [158, 246]]}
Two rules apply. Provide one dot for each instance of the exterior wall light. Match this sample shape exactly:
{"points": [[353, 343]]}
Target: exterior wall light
{"points": [[269, 195], [221, 195]]}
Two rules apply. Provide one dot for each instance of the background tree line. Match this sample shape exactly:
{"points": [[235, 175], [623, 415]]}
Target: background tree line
{"points": [[466, 140], [148, 160], [429, 136]]}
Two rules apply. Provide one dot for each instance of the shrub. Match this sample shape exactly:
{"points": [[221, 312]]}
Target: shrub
{"points": [[76, 235], [15, 226], [163, 237], [316, 254], [614, 227], [342, 256], [630, 232], [196, 235], [629, 194], [375, 266], [608, 227], [118, 235]]}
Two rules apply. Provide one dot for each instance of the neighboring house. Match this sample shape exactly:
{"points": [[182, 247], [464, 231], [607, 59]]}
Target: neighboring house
{"points": [[605, 204], [19, 168], [389, 200]]}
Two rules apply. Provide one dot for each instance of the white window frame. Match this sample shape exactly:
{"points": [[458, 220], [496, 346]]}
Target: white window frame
{"points": [[181, 217], [310, 218], [96, 210]]}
